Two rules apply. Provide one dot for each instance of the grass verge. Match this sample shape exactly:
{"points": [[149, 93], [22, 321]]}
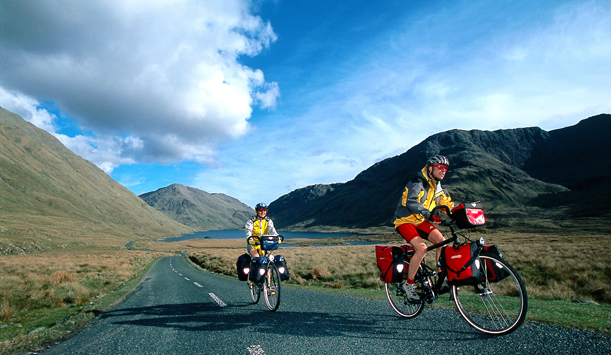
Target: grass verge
{"points": [[33, 325]]}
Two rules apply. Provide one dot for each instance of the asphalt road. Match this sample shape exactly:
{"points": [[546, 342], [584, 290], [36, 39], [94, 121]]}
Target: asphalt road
{"points": [[178, 309]]}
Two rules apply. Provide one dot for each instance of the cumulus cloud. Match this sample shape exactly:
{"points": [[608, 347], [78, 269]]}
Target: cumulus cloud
{"points": [[153, 80]]}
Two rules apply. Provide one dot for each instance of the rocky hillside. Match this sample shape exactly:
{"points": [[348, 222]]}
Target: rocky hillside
{"points": [[525, 177], [199, 209], [51, 197]]}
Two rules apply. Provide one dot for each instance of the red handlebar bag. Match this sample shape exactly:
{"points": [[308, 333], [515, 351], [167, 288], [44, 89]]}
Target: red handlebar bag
{"points": [[469, 215]]}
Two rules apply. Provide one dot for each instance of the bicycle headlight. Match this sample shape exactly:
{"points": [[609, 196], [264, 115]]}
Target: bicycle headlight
{"points": [[271, 257]]}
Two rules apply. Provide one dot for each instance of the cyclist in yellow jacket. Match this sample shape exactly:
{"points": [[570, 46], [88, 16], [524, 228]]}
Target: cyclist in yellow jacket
{"points": [[257, 226], [413, 218]]}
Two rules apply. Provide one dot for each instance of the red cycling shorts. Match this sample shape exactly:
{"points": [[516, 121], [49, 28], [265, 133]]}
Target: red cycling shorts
{"points": [[409, 231]]}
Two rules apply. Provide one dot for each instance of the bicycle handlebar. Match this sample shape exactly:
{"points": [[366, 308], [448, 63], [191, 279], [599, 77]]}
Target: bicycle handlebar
{"points": [[442, 207], [447, 210]]}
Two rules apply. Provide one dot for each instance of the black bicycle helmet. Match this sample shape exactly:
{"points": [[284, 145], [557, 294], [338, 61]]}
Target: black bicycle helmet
{"points": [[438, 159], [261, 206]]}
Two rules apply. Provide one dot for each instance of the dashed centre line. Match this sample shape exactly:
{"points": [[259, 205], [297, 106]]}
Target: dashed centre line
{"points": [[255, 350], [217, 300]]}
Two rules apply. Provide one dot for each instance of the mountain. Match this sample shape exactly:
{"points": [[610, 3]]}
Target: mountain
{"points": [[525, 177], [49, 196], [199, 209]]}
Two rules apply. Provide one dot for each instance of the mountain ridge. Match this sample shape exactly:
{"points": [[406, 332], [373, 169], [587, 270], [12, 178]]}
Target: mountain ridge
{"points": [[199, 209], [48, 195], [516, 173]]}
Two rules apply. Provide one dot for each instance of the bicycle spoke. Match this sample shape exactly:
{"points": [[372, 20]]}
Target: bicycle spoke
{"points": [[493, 307]]}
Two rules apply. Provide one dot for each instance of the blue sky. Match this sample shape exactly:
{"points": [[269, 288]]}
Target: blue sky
{"points": [[255, 99]]}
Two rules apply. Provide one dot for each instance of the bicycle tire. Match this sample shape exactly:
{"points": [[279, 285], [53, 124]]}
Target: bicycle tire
{"points": [[271, 288], [398, 301], [495, 308], [255, 293]]}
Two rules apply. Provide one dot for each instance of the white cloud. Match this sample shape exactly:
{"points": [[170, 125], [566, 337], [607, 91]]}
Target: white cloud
{"points": [[392, 93], [105, 152], [26, 107], [161, 81], [165, 72]]}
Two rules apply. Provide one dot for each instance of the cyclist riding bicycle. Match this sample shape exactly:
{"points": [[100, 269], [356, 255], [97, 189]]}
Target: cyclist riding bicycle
{"points": [[413, 218], [257, 226]]}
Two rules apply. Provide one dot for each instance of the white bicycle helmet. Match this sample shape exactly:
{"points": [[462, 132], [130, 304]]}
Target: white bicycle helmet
{"points": [[438, 159]]}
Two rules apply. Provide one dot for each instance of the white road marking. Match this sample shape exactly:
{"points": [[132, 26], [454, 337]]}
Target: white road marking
{"points": [[217, 300], [198, 285], [186, 278], [255, 350]]}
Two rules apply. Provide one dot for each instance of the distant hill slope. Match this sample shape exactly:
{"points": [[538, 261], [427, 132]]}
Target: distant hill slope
{"points": [[49, 196], [199, 209], [523, 176]]}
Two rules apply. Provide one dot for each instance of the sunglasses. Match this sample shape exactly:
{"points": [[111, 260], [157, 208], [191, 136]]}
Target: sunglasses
{"points": [[441, 167]]}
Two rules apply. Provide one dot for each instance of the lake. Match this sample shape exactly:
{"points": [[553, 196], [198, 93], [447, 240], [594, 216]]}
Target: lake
{"points": [[240, 234]]}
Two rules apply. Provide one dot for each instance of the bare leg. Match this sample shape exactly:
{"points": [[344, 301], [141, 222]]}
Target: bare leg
{"points": [[419, 252], [436, 237]]}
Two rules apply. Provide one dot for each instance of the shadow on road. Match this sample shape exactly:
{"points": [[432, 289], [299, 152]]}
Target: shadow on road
{"points": [[209, 317]]}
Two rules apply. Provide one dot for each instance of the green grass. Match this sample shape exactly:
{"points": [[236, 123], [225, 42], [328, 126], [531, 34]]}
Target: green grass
{"points": [[590, 316]]}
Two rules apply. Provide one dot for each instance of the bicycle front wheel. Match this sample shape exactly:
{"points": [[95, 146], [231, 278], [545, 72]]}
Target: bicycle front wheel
{"points": [[495, 308], [271, 288], [255, 292]]}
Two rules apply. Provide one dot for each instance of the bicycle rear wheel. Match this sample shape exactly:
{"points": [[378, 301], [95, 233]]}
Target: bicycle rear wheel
{"points": [[255, 292], [271, 288], [398, 300], [495, 308]]}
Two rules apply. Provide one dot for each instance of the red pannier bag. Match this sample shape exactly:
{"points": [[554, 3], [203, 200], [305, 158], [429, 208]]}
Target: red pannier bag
{"points": [[495, 271], [462, 263], [469, 215], [390, 262]]}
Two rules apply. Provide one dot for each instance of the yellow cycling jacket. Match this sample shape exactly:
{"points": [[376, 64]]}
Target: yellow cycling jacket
{"points": [[420, 196], [256, 227]]}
